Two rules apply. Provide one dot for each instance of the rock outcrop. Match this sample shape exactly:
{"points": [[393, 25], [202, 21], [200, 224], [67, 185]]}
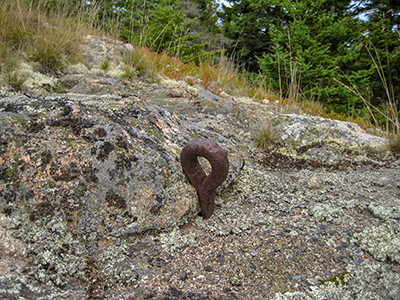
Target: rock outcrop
{"points": [[94, 203]]}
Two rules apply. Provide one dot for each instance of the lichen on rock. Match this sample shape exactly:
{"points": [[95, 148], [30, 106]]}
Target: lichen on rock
{"points": [[94, 203]]}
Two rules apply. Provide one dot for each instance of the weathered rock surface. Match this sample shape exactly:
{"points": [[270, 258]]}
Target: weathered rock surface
{"points": [[94, 203], [96, 156]]}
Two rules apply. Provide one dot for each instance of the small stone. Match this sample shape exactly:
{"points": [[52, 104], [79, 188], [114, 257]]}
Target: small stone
{"points": [[337, 259], [235, 281], [129, 47], [383, 181], [183, 275], [175, 292], [253, 252], [208, 268], [314, 183], [358, 261]]}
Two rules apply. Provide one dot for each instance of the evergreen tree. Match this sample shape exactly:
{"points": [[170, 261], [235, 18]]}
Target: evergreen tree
{"points": [[312, 49], [167, 30], [169, 25], [247, 23], [205, 27], [381, 51]]}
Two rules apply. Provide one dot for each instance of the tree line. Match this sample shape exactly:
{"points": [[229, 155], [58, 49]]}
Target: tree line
{"points": [[342, 53]]}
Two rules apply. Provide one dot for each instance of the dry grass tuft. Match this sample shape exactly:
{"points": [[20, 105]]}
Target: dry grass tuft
{"points": [[138, 60], [13, 74], [394, 143], [265, 134]]}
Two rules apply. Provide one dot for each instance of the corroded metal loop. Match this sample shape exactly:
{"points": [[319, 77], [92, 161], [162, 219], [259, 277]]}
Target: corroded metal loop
{"points": [[205, 185]]}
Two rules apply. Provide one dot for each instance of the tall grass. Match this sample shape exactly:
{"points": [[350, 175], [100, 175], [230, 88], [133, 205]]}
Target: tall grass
{"points": [[222, 76], [389, 110], [51, 36]]}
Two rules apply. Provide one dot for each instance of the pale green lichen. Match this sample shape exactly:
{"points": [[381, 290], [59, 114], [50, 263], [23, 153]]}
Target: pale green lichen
{"points": [[12, 222], [339, 280], [117, 71], [37, 81], [154, 131], [78, 68], [174, 240], [381, 241]]}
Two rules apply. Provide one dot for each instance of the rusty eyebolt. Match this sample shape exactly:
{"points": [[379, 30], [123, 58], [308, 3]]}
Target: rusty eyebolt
{"points": [[205, 185]]}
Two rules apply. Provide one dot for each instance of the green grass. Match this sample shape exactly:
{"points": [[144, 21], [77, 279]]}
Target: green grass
{"points": [[129, 72], [106, 64]]}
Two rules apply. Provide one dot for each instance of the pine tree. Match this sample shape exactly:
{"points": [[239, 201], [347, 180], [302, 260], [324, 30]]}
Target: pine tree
{"points": [[205, 27], [312, 50], [381, 50], [247, 23]]}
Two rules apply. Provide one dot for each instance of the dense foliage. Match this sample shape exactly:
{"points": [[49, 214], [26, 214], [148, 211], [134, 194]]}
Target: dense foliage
{"points": [[309, 53], [187, 29], [344, 54]]}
